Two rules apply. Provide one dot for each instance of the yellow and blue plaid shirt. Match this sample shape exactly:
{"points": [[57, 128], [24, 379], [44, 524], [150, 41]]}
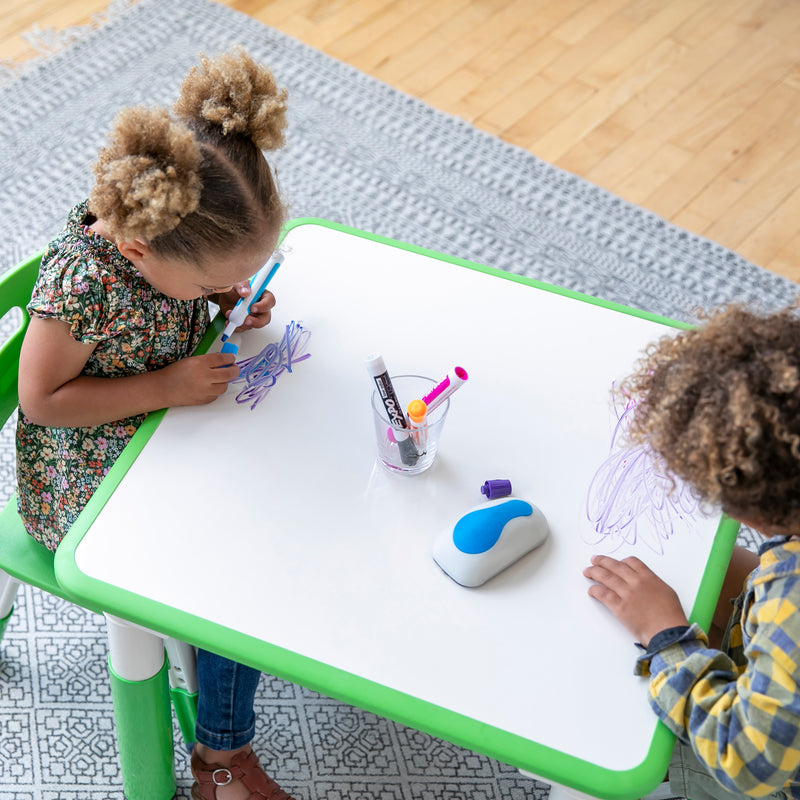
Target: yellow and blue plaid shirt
{"points": [[740, 710]]}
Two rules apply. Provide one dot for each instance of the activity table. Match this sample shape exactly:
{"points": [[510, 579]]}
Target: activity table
{"points": [[261, 527]]}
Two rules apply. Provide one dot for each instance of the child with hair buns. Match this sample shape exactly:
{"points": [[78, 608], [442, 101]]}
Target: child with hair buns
{"points": [[184, 209], [719, 407]]}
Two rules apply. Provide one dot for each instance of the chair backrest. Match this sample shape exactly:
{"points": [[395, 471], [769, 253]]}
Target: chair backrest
{"points": [[21, 557], [15, 292]]}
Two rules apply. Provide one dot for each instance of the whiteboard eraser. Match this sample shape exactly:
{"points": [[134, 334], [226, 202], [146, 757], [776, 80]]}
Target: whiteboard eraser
{"points": [[489, 538]]}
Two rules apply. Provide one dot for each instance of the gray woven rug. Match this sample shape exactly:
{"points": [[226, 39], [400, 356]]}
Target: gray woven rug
{"points": [[359, 153]]}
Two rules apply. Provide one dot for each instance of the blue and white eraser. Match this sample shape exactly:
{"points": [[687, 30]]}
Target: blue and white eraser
{"points": [[489, 538]]}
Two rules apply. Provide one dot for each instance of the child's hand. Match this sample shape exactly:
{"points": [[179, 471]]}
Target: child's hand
{"points": [[260, 312], [635, 595], [198, 380]]}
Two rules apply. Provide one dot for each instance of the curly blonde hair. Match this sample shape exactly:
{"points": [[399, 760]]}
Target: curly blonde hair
{"points": [[197, 184], [719, 406]]}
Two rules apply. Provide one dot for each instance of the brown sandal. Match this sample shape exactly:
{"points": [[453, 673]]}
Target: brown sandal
{"points": [[245, 768]]}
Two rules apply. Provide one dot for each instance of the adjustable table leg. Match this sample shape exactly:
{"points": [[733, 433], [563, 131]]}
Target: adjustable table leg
{"points": [[183, 686], [140, 692], [8, 591]]}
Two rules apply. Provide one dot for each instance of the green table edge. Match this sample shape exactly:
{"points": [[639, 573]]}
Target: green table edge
{"points": [[461, 730]]}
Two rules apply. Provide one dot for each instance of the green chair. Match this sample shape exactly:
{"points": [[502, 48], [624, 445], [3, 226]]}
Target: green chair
{"points": [[23, 560]]}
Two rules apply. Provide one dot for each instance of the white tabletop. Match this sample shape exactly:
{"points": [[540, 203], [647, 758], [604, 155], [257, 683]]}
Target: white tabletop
{"points": [[277, 523]]}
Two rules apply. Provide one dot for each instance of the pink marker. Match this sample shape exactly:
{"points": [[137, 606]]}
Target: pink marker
{"points": [[455, 379]]}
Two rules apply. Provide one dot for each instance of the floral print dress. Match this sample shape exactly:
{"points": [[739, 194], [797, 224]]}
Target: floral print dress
{"points": [[85, 282]]}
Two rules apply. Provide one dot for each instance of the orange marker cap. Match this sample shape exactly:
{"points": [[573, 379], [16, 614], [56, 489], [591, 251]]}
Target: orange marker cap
{"points": [[417, 409]]}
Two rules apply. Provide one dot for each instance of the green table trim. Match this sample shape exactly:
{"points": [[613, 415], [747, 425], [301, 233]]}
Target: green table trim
{"points": [[349, 688]]}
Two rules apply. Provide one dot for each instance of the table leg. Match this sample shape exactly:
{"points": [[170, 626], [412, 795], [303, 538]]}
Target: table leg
{"points": [[140, 692], [559, 792], [183, 686], [8, 591]]}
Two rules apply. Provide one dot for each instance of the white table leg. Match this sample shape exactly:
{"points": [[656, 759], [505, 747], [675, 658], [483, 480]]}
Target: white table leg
{"points": [[557, 791], [183, 686], [8, 591]]}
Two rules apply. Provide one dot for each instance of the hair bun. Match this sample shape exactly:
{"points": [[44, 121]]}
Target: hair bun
{"points": [[146, 178], [236, 94]]}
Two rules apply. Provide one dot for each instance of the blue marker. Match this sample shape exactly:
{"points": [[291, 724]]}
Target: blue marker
{"points": [[240, 311]]}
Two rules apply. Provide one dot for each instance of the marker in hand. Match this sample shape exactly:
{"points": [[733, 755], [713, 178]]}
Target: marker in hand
{"points": [[258, 285]]}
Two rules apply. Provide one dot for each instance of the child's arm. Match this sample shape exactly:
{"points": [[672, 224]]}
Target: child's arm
{"points": [[635, 595], [53, 391], [745, 728]]}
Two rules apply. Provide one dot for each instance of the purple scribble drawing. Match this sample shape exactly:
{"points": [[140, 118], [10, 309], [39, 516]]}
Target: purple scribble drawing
{"points": [[259, 373], [630, 500]]}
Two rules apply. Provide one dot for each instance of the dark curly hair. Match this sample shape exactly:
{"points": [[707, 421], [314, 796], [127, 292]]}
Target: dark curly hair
{"points": [[719, 406]]}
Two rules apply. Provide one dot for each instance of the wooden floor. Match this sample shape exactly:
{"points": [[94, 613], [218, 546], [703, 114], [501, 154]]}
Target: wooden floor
{"points": [[690, 108]]}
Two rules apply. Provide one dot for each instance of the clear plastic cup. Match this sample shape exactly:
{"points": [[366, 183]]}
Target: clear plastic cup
{"points": [[408, 451]]}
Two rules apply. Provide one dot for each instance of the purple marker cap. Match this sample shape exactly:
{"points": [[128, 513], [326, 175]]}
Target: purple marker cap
{"points": [[497, 488]]}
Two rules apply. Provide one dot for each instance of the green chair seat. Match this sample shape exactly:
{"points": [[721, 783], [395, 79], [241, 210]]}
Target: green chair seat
{"points": [[24, 559]]}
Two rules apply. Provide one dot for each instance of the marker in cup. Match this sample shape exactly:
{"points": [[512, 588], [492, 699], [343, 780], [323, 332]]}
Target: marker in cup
{"points": [[454, 379], [429, 434], [377, 369], [417, 414]]}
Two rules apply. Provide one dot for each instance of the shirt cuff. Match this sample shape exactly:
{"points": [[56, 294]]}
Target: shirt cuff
{"points": [[665, 638], [662, 640]]}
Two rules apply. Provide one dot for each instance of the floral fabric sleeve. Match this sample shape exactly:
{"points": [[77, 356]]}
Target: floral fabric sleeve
{"points": [[86, 282], [81, 293]]}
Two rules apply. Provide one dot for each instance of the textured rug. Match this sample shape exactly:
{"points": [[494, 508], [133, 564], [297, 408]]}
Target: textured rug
{"points": [[360, 153]]}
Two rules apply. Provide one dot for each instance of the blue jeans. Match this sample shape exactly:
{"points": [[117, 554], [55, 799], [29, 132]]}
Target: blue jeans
{"points": [[226, 718]]}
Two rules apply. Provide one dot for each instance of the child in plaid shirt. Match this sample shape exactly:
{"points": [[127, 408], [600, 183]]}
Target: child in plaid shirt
{"points": [[719, 406]]}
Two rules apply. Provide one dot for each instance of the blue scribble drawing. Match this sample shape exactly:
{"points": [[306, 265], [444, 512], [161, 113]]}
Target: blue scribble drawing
{"points": [[631, 501], [259, 373]]}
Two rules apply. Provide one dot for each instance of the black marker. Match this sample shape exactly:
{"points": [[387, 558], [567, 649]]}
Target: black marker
{"points": [[377, 369]]}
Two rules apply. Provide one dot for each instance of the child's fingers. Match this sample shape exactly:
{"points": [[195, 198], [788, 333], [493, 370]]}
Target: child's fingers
{"points": [[264, 303], [223, 366], [619, 577], [629, 569], [608, 597], [604, 580], [226, 374], [216, 360], [260, 312], [605, 569]]}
